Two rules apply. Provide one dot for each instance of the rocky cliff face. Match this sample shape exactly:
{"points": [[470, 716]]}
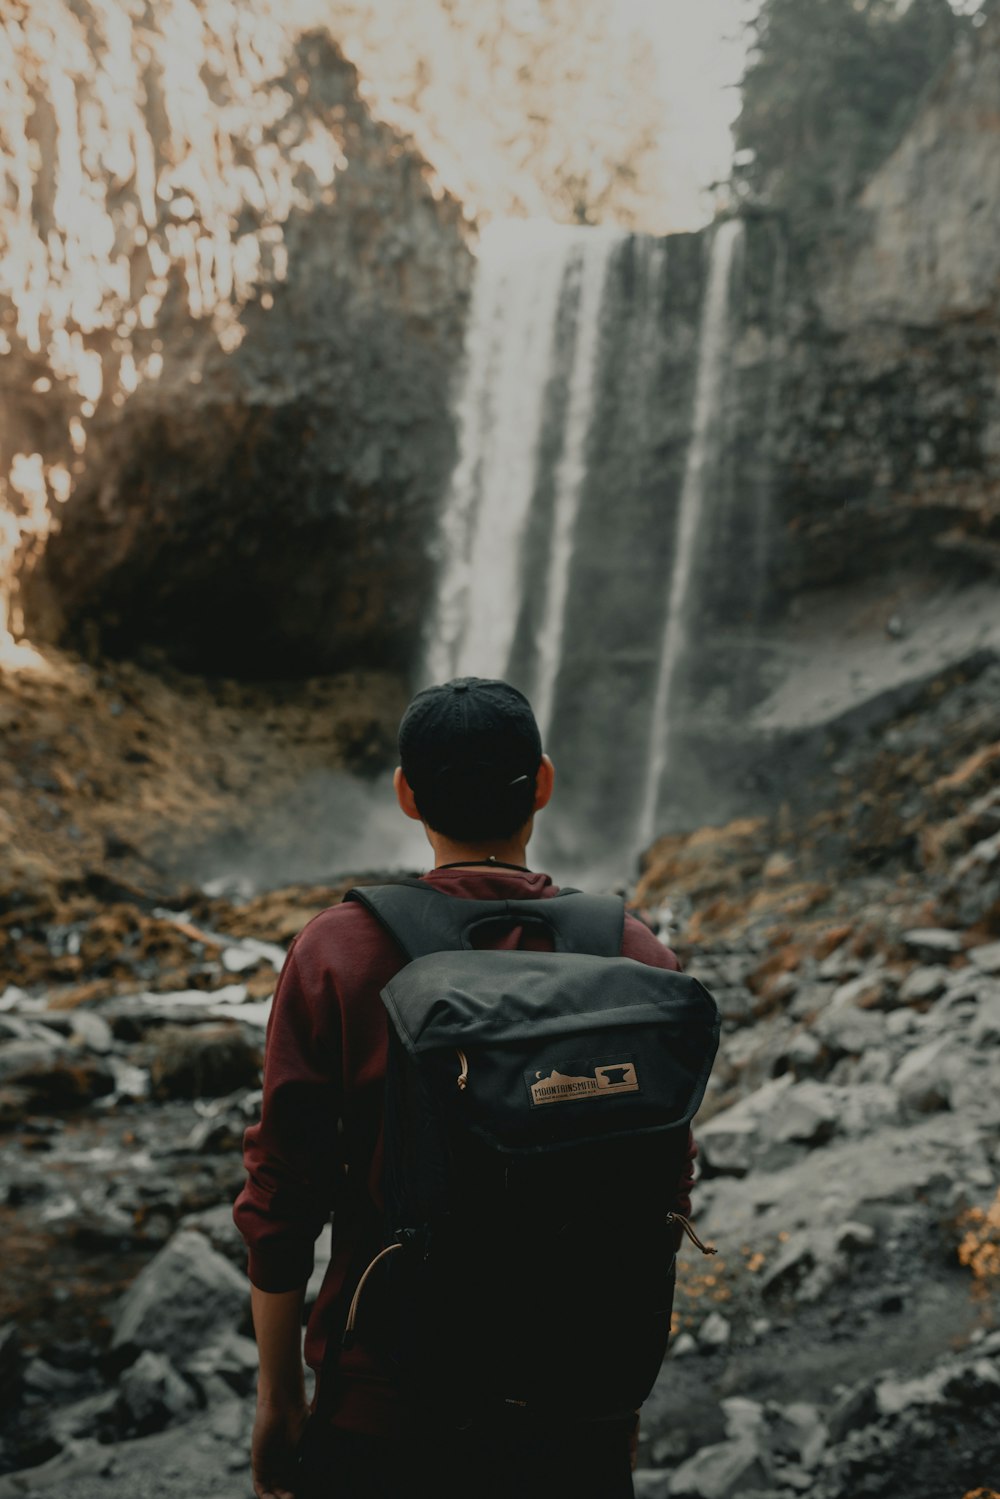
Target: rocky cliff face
{"points": [[893, 455], [231, 306]]}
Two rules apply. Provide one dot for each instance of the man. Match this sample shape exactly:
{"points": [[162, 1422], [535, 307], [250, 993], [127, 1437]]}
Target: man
{"points": [[473, 773]]}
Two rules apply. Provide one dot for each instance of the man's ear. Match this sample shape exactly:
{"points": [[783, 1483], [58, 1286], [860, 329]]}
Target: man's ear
{"points": [[404, 794], [544, 780]]}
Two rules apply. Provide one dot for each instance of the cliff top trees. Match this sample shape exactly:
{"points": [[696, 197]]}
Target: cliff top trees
{"points": [[829, 87]]}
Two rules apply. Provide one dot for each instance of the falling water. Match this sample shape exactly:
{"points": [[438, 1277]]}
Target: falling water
{"points": [[593, 254], [712, 364], [585, 498], [509, 350]]}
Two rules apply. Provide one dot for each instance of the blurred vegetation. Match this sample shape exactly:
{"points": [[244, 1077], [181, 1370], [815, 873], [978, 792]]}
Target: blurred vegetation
{"points": [[829, 88]]}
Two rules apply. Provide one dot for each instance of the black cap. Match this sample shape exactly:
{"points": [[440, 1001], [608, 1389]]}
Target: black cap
{"points": [[469, 748]]}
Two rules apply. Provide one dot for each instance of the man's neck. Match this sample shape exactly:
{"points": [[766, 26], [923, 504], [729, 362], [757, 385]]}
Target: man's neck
{"points": [[512, 852]]}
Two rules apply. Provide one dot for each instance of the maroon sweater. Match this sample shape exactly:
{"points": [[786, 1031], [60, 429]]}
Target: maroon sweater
{"points": [[321, 1117]]}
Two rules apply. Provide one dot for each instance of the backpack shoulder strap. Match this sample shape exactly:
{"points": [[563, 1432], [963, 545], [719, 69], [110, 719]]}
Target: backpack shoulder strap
{"points": [[423, 920]]}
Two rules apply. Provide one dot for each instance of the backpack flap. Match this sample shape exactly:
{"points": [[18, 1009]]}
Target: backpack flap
{"points": [[535, 1051]]}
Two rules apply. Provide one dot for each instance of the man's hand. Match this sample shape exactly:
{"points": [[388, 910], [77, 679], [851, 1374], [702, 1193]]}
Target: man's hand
{"points": [[277, 1431]]}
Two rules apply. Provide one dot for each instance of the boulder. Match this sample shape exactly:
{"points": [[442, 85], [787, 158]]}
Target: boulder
{"points": [[133, 1016], [782, 1120], [924, 984], [202, 1061], [651, 1483], [866, 992], [50, 1075], [799, 1432], [933, 943], [715, 1332], [854, 1237], [922, 1078], [986, 957], [220, 1230], [848, 1031], [973, 890], [231, 1361], [181, 1301], [683, 1345], [986, 1025], [727, 1470], [153, 1395]]}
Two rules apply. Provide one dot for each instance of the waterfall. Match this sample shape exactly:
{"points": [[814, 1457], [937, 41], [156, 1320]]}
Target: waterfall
{"points": [[526, 270], [712, 365], [592, 255], [590, 540], [509, 349]]}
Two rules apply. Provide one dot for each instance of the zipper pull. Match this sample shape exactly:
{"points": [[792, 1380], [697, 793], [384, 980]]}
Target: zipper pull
{"points": [[463, 1076], [686, 1226]]}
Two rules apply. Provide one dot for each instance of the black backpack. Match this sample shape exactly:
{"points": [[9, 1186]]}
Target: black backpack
{"points": [[537, 1108]]}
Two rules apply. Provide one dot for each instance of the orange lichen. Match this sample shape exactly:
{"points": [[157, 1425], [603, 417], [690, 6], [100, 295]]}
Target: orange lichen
{"points": [[979, 1248]]}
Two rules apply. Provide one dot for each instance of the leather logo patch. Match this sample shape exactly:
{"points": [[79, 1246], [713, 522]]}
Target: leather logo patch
{"points": [[599, 1080]]}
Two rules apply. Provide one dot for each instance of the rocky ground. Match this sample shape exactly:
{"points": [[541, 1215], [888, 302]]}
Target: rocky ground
{"points": [[843, 1342]]}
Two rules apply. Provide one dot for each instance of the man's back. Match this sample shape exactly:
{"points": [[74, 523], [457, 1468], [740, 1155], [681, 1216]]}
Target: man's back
{"points": [[474, 774], [319, 1143]]}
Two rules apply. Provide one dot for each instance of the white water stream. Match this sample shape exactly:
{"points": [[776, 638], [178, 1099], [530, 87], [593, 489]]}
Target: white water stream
{"points": [[555, 312], [712, 364], [509, 351], [593, 254]]}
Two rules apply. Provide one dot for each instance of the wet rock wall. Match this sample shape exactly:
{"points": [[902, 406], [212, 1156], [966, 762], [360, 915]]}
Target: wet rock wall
{"points": [[231, 305]]}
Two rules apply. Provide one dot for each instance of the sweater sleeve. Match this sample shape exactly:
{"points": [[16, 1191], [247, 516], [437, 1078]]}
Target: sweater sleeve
{"points": [[292, 1155]]}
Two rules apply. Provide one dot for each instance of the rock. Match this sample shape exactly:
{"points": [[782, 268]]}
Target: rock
{"points": [[798, 1431], [202, 1061], [866, 992], [84, 1028], [773, 1126], [986, 957], [808, 1115], [682, 1345], [715, 1332], [743, 1418], [848, 1031], [855, 1408], [93, 1416], [219, 1229], [934, 942], [11, 1364], [986, 1025], [840, 965], [796, 1258], [153, 1395], [727, 1142], [133, 1016], [49, 1382], [901, 1023], [854, 1237], [343, 377], [924, 984], [727, 1470], [807, 1265], [921, 1079], [974, 886], [803, 1054], [231, 1360], [651, 1483], [53, 1076], [91, 1030], [181, 1301]]}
